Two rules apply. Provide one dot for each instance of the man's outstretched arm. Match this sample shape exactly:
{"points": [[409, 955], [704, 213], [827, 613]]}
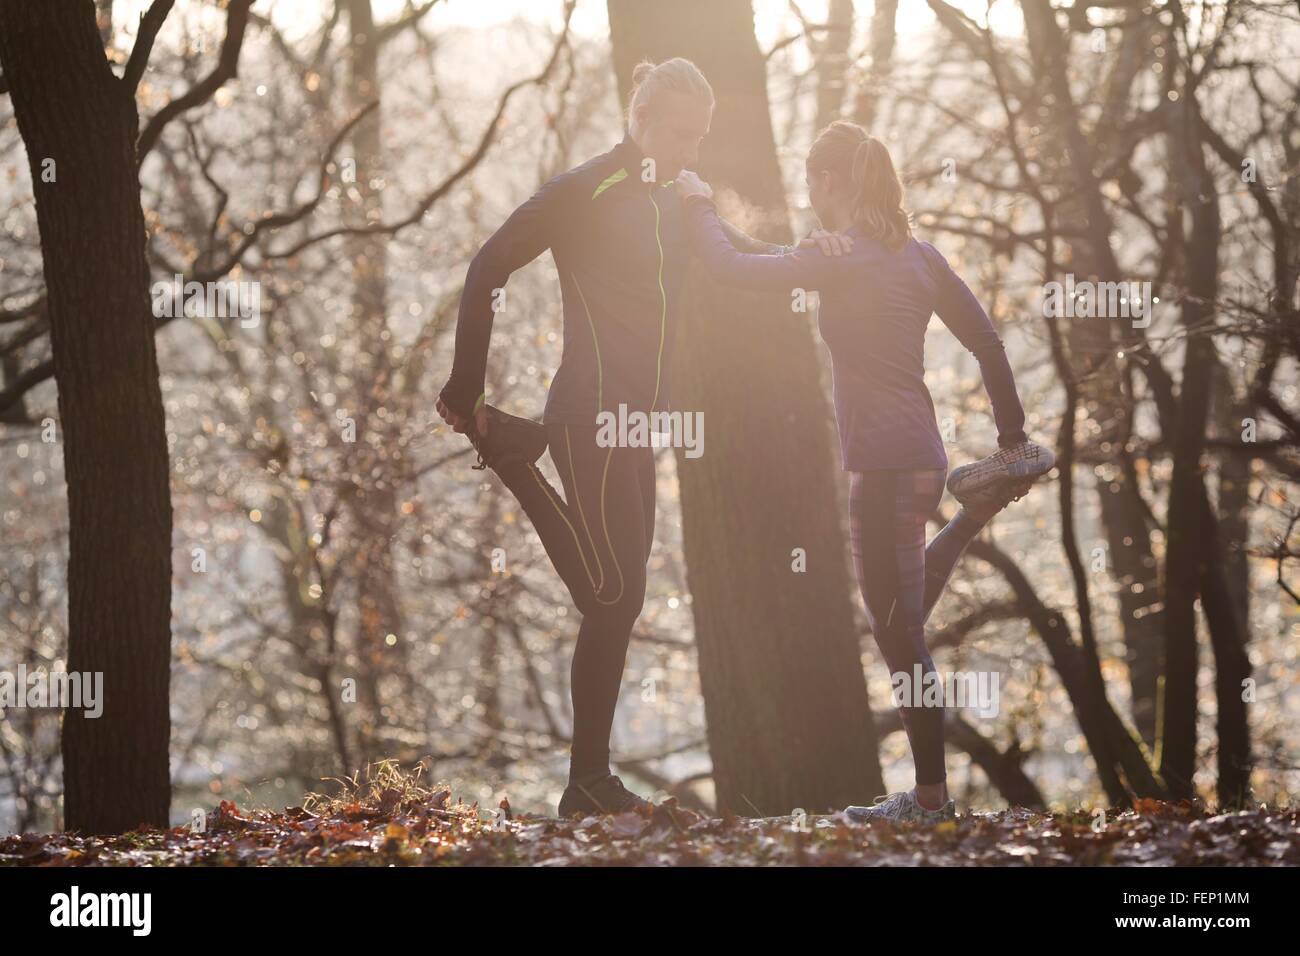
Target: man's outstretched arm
{"points": [[747, 243], [831, 243], [808, 267]]}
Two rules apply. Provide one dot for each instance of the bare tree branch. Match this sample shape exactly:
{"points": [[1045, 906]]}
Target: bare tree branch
{"points": [[412, 17], [150, 24], [237, 21], [471, 161], [278, 220], [28, 380], [35, 307], [226, 69]]}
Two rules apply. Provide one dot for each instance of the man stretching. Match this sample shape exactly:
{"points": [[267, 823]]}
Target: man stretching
{"points": [[616, 230]]}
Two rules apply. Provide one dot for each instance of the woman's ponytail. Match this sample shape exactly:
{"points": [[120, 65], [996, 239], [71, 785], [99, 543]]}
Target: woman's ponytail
{"points": [[863, 162], [878, 195]]}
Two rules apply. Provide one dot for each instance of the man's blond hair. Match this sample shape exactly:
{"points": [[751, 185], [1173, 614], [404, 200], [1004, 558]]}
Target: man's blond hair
{"points": [[650, 81]]}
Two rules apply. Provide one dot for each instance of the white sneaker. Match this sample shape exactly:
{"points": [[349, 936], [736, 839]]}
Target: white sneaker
{"points": [[1001, 477], [901, 808]]}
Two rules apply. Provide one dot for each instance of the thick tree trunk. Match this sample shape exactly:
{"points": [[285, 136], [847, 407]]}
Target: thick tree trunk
{"points": [[785, 699], [72, 112]]}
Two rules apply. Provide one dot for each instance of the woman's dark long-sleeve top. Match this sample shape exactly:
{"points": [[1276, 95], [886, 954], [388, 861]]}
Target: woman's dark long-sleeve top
{"points": [[875, 307]]}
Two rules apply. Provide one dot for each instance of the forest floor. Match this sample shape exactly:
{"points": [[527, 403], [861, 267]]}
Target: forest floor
{"points": [[395, 821]]}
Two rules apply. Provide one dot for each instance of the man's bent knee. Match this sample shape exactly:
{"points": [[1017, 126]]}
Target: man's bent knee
{"points": [[615, 607]]}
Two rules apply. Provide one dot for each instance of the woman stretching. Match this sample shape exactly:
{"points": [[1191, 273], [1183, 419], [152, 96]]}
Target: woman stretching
{"points": [[876, 302]]}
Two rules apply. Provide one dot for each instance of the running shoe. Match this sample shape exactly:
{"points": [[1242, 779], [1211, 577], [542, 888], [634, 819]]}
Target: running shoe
{"points": [[603, 795], [1003, 476], [509, 440], [901, 808]]}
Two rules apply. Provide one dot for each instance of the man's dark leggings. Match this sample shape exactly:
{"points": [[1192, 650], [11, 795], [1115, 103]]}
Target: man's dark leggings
{"points": [[598, 536], [901, 579]]}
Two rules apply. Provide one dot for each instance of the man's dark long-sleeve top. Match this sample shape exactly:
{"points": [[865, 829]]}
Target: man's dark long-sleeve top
{"points": [[875, 307], [621, 249]]}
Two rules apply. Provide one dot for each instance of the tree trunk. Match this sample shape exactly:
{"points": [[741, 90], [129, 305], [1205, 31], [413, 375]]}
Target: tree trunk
{"points": [[1192, 525], [1233, 495], [1193, 568], [1226, 590], [832, 58], [1104, 395], [881, 41], [73, 111], [376, 507], [1122, 513], [780, 669]]}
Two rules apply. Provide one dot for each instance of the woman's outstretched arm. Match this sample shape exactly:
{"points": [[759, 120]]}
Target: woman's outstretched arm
{"points": [[962, 313]]}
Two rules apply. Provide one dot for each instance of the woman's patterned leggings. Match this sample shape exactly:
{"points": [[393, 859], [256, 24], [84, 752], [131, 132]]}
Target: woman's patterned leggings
{"points": [[901, 578]]}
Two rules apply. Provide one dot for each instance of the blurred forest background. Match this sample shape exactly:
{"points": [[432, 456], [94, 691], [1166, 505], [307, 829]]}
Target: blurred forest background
{"points": [[1140, 607]]}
